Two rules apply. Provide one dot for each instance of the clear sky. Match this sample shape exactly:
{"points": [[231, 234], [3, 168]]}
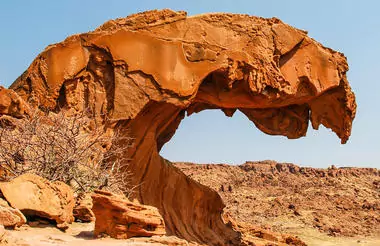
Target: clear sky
{"points": [[352, 27]]}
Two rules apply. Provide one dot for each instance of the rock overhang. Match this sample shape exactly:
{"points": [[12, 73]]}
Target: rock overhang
{"points": [[251, 63]]}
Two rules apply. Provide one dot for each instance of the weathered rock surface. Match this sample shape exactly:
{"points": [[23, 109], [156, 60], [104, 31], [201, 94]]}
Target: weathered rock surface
{"points": [[253, 235], [146, 71], [36, 196], [11, 103], [118, 217], [83, 209], [10, 217]]}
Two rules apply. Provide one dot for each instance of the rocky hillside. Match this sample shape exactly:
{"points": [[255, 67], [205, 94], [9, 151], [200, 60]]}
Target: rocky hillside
{"points": [[286, 197]]}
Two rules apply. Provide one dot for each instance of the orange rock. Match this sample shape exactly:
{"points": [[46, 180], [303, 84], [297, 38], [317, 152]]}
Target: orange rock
{"points": [[122, 219], [10, 217], [11, 103], [36, 196], [82, 210], [253, 235], [147, 71]]}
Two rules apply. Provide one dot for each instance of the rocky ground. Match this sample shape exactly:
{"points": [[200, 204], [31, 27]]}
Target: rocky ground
{"points": [[79, 234], [334, 206], [329, 205]]}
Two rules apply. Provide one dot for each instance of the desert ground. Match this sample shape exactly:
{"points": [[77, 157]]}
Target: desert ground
{"points": [[332, 207]]}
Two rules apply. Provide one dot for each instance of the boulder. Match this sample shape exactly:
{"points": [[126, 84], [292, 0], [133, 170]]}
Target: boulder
{"points": [[12, 104], [82, 210], [36, 196], [10, 217], [120, 218]]}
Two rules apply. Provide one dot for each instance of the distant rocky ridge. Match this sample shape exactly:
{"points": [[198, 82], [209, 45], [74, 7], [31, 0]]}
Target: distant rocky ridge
{"points": [[336, 201]]}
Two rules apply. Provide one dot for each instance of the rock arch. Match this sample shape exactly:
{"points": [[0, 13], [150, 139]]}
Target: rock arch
{"points": [[148, 70]]}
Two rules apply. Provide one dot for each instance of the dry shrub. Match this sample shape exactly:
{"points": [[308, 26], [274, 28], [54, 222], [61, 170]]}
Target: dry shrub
{"points": [[68, 148]]}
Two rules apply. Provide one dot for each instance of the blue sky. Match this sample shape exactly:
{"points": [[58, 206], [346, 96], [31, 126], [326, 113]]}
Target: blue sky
{"points": [[352, 27]]}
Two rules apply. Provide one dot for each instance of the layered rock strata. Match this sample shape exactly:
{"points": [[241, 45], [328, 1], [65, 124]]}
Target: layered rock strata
{"points": [[120, 218]]}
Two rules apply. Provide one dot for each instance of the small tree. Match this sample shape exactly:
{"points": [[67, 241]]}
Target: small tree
{"points": [[69, 148]]}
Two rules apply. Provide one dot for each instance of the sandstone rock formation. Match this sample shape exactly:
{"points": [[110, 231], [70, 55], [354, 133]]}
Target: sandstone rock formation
{"points": [[11, 104], [118, 217], [10, 217], [36, 196], [82, 209], [147, 71]]}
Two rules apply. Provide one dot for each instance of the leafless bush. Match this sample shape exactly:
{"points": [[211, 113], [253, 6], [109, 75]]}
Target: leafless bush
{"points": [[68, 148]]}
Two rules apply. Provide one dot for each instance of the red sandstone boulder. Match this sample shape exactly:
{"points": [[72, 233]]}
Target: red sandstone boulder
{"points": [[36, 196], [10, 217], [11, 103], [82, 210], [121, 218]]}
